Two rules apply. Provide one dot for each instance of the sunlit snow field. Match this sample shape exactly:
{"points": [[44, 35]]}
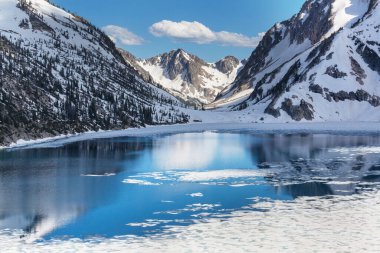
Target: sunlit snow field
{"points": [[226, 191]]}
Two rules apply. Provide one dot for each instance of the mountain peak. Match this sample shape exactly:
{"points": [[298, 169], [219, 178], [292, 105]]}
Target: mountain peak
{"points": [[227, 64], [181, 54], [179, 51], [316, 21], [190, 77], [315, 65]]}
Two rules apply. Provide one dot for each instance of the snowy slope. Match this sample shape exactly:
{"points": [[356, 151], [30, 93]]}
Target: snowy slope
{"points": [[60, 74], [191, 78], [320, 73]]}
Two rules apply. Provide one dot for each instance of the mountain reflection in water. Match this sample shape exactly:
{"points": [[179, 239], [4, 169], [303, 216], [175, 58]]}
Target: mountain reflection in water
{"points": [[77, 190]]}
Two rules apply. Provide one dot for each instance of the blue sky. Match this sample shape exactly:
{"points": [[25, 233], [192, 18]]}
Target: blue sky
{"points": [[210, 29]]}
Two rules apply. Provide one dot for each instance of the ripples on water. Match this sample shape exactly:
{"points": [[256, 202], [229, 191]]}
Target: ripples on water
{"points": [[230, 187]]}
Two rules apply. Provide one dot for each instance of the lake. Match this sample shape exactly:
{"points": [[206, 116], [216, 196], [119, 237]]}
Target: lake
{"points": [[146, 186]]}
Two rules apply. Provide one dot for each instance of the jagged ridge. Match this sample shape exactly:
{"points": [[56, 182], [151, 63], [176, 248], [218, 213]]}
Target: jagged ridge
{"points": [[189, 77]]}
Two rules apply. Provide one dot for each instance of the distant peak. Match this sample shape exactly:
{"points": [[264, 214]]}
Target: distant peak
{"points": [[179, 50], [227, 64], [230, 58]]}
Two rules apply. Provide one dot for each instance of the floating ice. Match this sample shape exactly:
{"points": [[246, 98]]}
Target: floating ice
{"points": [[196, 194], [199, 176], [139, 182], [357, 150]]}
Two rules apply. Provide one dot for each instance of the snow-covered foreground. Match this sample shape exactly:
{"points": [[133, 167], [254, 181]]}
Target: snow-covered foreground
{"points": [[315, 127], [322, 224]]}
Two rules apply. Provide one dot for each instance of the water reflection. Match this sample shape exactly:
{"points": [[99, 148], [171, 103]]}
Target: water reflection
{"points": [[43, 189], [78, 190], [310, 161]]}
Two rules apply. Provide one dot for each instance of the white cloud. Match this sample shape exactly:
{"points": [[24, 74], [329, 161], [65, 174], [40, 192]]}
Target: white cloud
{"points": [[122, 36], [199, 33]]}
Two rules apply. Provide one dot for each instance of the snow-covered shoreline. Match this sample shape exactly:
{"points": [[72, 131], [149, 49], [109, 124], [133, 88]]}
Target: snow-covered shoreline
{"points": [[280, 128]]}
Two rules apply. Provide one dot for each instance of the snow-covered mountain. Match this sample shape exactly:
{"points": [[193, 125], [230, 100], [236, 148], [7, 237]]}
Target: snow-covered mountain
{"points": [[60, 74], [191, 78], [133, 61], [323, 64]]}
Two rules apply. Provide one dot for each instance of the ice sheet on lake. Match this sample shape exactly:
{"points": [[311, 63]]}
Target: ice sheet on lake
{"points": [[149, 223], [201, 176], [280, 176], [318, 224], [357, 150], [139, 182], [191, 208]]}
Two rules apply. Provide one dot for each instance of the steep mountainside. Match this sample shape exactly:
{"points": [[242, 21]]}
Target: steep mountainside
{"points": [[134, 63], [59, 74], [322, 64], [189, 77]]}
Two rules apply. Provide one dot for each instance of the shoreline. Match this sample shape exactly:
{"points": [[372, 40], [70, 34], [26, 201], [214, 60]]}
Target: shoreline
{"points": [[280, 128]]}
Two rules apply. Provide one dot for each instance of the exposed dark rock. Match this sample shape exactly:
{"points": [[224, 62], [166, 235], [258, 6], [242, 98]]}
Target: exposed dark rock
{"points": [[334, 72], [298, 112], [362, 95], [227, 64], [369, 56], [282, 86], [268, 78], [374, 101], [357, 71], [132, 60], [38, 24], [329, 56], [315, 25], [312, 77], [177, 62], [340, 96], [373, 43], [318, 52], [328, 97], [316, 88], [24, 24], [359, 95], [257, 60], [274, 112]]}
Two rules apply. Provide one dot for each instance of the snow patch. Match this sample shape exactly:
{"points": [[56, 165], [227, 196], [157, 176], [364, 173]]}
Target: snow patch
{"points": [[202, 176], [139, 182], [196, 195]]}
